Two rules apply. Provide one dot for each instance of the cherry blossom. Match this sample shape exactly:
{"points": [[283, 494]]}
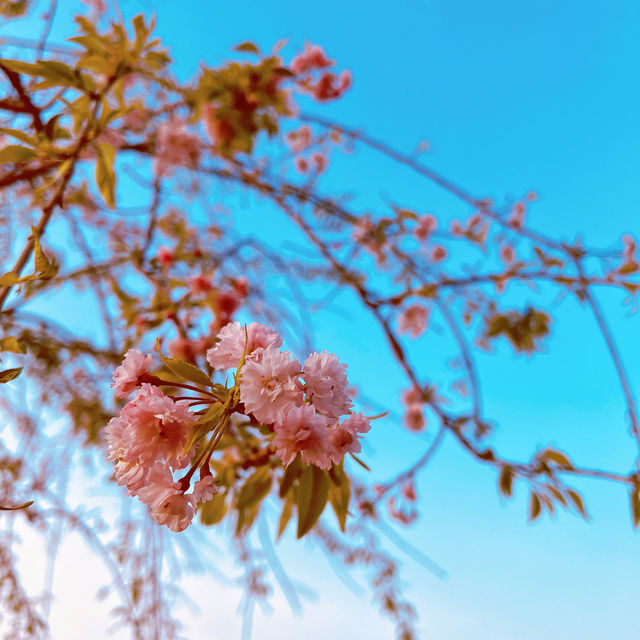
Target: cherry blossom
{"points": [[176, 146], [231, 344], [153, 425], [299, 140], [313, 57], [270, 385], [125, 377], [345, 437], [326, 383], [199, 284], [302, 430], [166, 501], [204, 489], [413, 320], [426, 226]]}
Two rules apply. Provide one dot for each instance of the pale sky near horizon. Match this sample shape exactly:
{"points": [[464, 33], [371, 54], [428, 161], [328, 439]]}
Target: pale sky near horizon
{"points": [[511, 96]]}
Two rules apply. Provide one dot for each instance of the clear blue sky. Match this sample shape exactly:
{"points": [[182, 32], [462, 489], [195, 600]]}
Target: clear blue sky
{"points": [[512, 96]]}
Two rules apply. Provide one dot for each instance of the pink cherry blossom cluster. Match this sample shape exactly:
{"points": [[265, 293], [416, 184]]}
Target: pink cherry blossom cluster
{"points": [[175, 146], [413, 320], [147, 442], [405, 512], [414, 405], [299, 141], [307, 407], [303, 404], [317, 162], [311, 67]]}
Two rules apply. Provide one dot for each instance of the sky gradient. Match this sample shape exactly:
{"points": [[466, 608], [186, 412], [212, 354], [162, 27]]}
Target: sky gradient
{"points": [[511, 97]]}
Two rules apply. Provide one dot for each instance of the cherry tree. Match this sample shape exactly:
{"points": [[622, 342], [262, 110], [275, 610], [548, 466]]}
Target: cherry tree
{"points": [[198, 388]]}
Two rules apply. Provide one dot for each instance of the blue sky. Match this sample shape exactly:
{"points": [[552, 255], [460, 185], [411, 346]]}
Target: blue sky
{"points": [[512, 96]]}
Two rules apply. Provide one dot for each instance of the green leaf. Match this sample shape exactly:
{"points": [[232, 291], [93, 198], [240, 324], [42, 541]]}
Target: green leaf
{"points": [[187, 371], [57, 72], [558, 457], [12, 344], [293, 471], [534, 506], [80, 111], [313, 492], [41, 262], [285, 516], [246, 517], [9, 279], [19, 135], [203, 425], [505, 482], [18, 66], [51, 127], [283, 72], [105, 175], [16, 153], [247, 47], [184, 369], [9, 374], [44, 269], [557, 495], [256, 488], [340, 495], [212, 414], [213, 511], [576, 498], [22, 506]]}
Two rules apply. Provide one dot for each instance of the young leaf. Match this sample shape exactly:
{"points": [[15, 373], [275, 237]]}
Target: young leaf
{"points": [[187, 371], [255, 488], [28, 68], [9, 374], [213, 511], [203, 425], [16, 153], [340, 495], [246, 518], [57, 72], [285, 516], [576, 498], [534, 506], [247, 47], [558, 457], [184, 369], [312, 498], [12, 344], [505, 482], [41, 262], [105, 175], [20, 135], [9, 279], [293, 471], [22, 506]]}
